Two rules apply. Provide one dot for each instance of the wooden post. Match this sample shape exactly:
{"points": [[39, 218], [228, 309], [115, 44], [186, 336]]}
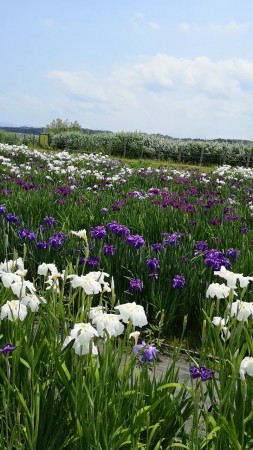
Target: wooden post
{"points": [[248, 160], [224, 158], [125, 147], [201, 156], [179, 156]]}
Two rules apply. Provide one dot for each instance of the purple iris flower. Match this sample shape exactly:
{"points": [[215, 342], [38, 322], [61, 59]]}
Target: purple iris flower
{"points": [[41, 245], [178, 281], [148, 352], [56, 240], [153, 264], [135, 194], [2, 209], [12, 219], [63, 190], [232, 253], [215, 259], [26, 234], [201, 246], [92, 261], [157, 247], [50, 221], [243, 230], [135, 285], [41, 228], [215, 221], [109, 250], [98, 232], [135, 241], [201, 372], [115, 208], [231, 217], [173, 239], [104, 210], [6, 348], [119, 230]]}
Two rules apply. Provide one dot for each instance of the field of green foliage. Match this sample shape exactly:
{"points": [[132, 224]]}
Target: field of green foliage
{"points": [[101, 265], [138, 145]]}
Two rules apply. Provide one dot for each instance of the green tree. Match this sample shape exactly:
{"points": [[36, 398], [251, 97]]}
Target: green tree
{"points": [[60, 126]]}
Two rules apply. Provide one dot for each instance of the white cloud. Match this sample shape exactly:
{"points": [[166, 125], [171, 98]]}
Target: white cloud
{"points": [[235, 27], [186, 27], [139, 16], [232, 27], [80, 83], [182, 97], [138, 22], [154, 25]]}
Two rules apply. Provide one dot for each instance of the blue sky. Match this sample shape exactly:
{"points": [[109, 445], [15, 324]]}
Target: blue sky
{"points": [[178, 67]]}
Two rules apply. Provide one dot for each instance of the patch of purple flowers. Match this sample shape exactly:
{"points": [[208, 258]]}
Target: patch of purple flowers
{"points": [[117, 229], [26, 234], [157, 247], [147, 352], [11, 218], [41, 245], [201, 372], [201, 247], [92, 261], [135, 285], [50, 221], [173, 239], [63, 190], [109, 250], [135, 241], [6, 348], [2, 209], [56, 240], [215, 259], [178, 282], [153, 264], [232, 253], [98, 232]]}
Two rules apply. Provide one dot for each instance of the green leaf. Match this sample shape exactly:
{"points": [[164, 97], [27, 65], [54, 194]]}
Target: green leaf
{"points": [[66, 371], [25, 363], [23, 403]]}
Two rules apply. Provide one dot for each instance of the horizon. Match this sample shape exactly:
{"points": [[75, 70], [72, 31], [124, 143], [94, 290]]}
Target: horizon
{"points": [[183, 70]]}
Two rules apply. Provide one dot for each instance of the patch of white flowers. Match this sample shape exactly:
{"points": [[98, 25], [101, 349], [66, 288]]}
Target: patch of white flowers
{"points": [[102, 324]]}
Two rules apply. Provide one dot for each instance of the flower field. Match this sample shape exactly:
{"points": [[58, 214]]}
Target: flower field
{"points": [[99, 265]]}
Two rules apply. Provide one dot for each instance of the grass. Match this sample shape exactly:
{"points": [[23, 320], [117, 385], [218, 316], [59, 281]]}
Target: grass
{"points": [[158, 164]]}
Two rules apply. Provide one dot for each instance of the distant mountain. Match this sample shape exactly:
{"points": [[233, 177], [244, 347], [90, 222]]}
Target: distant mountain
{"points": [[32, 130], [23, 130], [39, 130]]}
